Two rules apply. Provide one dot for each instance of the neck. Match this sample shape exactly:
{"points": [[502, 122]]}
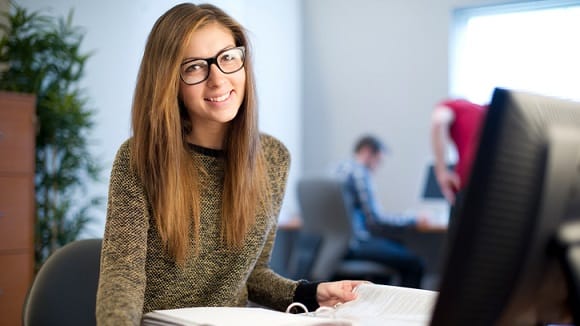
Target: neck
{"points": [[207, 136]]}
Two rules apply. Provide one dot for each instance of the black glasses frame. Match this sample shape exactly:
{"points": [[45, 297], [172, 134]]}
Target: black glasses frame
{"points": [[213, 60]]}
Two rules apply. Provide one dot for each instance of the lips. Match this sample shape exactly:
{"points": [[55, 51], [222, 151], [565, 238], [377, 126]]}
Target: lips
{"points": [[219, 98]]}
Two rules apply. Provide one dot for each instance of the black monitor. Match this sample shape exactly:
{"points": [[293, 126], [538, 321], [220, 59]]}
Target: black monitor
{"points": [[516, 233], [431, 190]]}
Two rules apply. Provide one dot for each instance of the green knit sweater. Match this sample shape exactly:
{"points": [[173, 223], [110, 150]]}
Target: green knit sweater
{"points": [[137, 275]]}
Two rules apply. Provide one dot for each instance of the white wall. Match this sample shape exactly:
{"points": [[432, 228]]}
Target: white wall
{"points": [[375, 66], [116, 30], [275, 28]]}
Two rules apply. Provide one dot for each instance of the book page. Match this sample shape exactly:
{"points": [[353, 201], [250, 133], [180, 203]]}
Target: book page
{"points": [[387, 305], [227, 316]]}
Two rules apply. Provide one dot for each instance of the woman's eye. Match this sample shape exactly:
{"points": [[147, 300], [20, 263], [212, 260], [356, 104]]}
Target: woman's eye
{"points": [[227, 57], [193, 67]]}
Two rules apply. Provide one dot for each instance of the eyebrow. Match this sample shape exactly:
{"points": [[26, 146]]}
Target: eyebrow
{"points": [[188, 59]]}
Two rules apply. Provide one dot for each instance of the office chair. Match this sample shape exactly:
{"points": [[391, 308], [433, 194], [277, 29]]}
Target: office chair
{"points": [[65, 288], [326, 234]]}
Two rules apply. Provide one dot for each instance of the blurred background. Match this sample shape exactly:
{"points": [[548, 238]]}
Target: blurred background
{"points": [[327, 71]]}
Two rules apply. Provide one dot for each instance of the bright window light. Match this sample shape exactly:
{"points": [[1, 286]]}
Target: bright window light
{"points": [[523, 47]]}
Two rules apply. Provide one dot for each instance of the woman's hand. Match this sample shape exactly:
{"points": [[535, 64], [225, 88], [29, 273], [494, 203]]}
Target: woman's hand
{"points": [[331, 293]]}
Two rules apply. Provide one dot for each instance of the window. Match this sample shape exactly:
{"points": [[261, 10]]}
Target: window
{"points": [[533, 46]]}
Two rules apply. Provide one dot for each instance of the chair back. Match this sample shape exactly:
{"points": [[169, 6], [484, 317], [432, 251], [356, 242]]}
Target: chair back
{"points": [[326, 214], [65, 289]]}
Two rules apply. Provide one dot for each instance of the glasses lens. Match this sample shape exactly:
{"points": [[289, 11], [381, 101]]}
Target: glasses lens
{"points": [[231, 60], [195, 71]]}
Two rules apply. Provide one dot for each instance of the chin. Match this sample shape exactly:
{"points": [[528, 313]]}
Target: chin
{"points": [[227, 117]]}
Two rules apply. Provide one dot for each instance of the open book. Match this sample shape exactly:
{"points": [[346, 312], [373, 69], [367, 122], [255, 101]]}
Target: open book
{"points": [[387, 305], [375, 305]]}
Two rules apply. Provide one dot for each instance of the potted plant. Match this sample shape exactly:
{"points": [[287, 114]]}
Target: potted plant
{"points": [[41, 54]]}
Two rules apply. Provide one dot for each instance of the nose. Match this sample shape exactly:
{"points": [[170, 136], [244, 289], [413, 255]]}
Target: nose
{"points": [[216, 76]]}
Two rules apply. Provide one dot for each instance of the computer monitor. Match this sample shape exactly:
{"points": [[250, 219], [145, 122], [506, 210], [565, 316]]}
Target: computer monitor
{"points": [[431, 190], [519, 217]]}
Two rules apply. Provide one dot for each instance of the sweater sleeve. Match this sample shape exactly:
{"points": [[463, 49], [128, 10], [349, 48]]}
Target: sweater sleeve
{"points": [[122, 273], [306, 294], [265, 287]]}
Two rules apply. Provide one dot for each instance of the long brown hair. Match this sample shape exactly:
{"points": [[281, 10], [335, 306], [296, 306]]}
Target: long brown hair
{"points": [[160, 124]]}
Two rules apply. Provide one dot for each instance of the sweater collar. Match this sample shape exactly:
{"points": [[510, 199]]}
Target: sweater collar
{"points": [[206, 151]]}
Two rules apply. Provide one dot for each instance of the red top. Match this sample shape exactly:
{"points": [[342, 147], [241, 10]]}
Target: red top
{"points": [[464, 132]]}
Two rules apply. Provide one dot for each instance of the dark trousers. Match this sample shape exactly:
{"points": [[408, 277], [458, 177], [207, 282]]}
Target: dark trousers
{"points": [[392, 254]]}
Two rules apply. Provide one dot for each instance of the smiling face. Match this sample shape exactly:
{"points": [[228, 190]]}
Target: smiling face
{"points": [[213, 103]]}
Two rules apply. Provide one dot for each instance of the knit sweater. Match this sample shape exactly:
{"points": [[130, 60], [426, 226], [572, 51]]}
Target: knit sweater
{"points": [[137, 275]]}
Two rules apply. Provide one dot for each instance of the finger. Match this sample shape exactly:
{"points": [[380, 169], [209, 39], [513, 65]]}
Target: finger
{"points": [[349, 296], [454, 180], [331, 303], [449, 195], [354, 284]]}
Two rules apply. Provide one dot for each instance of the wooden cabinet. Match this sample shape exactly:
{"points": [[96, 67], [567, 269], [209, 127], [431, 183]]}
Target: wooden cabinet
{"points": [[17, 203]]}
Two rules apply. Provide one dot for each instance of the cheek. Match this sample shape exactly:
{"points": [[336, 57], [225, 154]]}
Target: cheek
{"points": [[240, 81], [190, 95]]}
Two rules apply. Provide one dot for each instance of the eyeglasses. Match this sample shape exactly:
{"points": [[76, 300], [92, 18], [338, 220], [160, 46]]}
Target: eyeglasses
{"points": [[228, 61]]}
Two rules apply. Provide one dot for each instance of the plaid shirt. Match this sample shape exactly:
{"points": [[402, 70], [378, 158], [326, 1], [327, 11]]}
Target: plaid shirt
{"points": [[367, 212]]}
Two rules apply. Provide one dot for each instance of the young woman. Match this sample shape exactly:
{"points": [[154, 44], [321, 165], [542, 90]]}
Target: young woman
{"points": [[195, 192]]}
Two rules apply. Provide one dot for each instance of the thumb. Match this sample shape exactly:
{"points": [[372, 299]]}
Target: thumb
{"points": [[449, 195], [347, 295]]}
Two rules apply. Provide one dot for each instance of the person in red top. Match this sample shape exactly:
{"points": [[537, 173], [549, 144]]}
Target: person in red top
{"points": [[456, 121]]}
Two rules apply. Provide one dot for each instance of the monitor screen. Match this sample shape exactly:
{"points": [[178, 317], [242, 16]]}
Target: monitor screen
{"points": [[523, 191], [431, 190]]}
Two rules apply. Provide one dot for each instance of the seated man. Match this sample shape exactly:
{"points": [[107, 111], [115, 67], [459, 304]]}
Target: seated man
{"points": [[374, 230]]}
